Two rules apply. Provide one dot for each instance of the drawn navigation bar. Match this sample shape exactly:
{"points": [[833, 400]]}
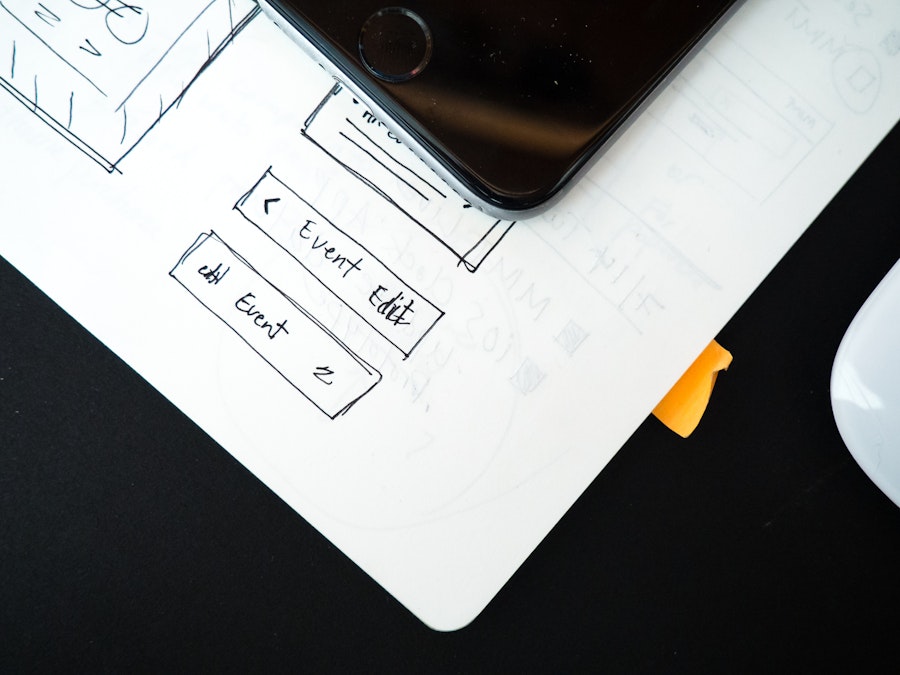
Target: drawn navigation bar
{"points": [[365, 284], [276, 327]]}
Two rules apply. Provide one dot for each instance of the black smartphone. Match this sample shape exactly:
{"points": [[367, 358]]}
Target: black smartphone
{"points": [[507, 101]]}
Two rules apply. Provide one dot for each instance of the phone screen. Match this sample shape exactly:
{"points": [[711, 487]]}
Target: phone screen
{"points": [[511, 97]]}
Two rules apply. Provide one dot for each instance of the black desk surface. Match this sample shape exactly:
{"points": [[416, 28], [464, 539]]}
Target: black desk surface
{"points": [[130, 541]]}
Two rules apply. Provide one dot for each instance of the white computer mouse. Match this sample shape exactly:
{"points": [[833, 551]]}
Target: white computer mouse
{"points": [[865, 386]]}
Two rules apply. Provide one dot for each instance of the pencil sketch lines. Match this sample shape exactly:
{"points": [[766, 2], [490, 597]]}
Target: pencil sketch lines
{"points": [[755, 131]]}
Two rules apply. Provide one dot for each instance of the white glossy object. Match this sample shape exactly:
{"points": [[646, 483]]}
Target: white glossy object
{"points": [[865, 386]]}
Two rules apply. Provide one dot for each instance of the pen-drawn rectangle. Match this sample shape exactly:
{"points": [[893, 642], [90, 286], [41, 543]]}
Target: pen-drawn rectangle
{"points": [[276, 327], [103, 72], [627, 262], [741, 118], [355, 138], [377, 295]]}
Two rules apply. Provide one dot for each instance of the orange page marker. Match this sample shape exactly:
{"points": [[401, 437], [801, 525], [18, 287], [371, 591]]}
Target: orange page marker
{"points": [[684, 405]]}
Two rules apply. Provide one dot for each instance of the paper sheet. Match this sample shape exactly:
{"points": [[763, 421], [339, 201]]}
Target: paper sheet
{"points": [[430, 388]]}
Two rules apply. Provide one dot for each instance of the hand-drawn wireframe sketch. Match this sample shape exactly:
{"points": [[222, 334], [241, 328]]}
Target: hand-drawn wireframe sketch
{"points": [[744, 126], [349, 133], [629, 263], [102, 73], [345, 267], [275, 326], [856, 72], [756, 142]]}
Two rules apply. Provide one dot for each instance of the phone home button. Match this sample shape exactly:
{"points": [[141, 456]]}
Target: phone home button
{"points": [[395, 44]]}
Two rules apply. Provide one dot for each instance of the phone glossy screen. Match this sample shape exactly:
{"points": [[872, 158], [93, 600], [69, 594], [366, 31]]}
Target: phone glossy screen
{"points": [[511, 97]]}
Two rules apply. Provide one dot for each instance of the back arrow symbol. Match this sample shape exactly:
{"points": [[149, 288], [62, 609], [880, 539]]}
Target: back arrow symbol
{"points": [[270, 201]]}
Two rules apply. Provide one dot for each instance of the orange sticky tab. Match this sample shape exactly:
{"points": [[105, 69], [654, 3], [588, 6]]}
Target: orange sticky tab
{"points": [[684, 405]]}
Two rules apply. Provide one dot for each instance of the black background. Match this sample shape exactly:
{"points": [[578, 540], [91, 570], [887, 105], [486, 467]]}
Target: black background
{"points": [[130, 542]]}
